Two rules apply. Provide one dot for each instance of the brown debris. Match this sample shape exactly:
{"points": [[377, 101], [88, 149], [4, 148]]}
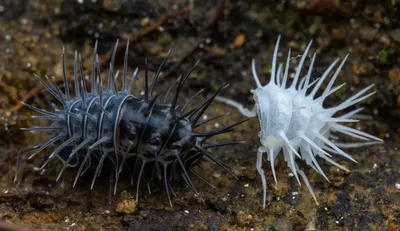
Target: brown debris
{"points": [[360, 69], [9, 227], [214, 51], [41, 218], [126, 206], [239, 40], [325, 4], [145, 21], [394, 76], [339, 32]]}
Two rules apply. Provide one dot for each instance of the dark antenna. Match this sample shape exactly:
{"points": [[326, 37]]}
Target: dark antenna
{"points": [[125, 67], [64, 74], [93, 79], [153, 84], [146, 80]]}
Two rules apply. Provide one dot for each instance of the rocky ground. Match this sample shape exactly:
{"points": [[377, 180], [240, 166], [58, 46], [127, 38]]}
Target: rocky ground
{"points": [[224, 36]]}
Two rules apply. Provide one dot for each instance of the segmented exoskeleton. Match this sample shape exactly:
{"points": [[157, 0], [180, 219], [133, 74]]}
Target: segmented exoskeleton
{"points": [[111, 125], [293, 119]]}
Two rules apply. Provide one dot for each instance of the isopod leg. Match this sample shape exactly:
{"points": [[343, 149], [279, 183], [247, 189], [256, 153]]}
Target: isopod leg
{"points": [[303, 175], [261, 151], [246, 112], [18, 161], [167, 184]]}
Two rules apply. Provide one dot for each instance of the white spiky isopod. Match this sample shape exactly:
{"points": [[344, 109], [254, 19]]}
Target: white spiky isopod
{"points": [[293, 119]]}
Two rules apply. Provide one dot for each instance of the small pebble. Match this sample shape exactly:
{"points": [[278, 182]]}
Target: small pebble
{"points": [[394, 76], [216, 174], [126, 206], [145, 21], [239, 40]]}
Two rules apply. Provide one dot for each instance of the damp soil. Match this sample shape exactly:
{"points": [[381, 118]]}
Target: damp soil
{"points": [[224, 36]]}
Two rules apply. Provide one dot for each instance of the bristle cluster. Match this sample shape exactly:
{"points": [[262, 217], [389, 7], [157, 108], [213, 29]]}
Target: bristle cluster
{"points": [[114, 126], [294, 121]]}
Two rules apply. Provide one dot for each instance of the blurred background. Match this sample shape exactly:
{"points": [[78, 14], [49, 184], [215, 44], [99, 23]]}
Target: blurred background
{"points": [[224, 36]]}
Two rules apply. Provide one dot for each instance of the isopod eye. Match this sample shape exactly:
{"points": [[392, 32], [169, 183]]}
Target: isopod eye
{"points": [[132, 131], [155, 139]]}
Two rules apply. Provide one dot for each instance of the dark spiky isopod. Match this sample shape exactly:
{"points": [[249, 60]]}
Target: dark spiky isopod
{"points": [[116, 128]]}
